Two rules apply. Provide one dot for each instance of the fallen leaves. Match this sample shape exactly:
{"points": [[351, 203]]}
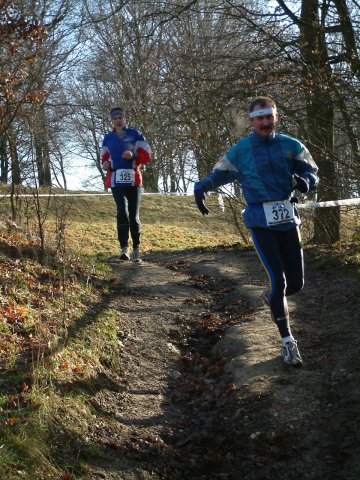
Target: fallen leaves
{"points": [[14, 313], [12, 421], [78, 369], [68, 476]]}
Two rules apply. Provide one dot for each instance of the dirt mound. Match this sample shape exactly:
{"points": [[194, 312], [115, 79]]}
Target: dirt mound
{"points": [[206, 395]]}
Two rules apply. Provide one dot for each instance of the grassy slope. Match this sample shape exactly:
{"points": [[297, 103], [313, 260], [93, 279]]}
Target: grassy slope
{"points": [[54, 329], [168, 223]]}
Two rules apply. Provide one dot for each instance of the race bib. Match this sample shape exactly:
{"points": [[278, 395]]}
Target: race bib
{"points": [[125, 175], [278, 212]]}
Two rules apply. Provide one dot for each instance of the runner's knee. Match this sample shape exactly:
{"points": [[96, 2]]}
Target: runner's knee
{"points": [[294, 287]]}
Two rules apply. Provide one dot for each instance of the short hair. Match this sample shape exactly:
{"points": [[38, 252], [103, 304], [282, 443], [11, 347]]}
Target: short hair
{"points": [[117, 111], [262, 102]]}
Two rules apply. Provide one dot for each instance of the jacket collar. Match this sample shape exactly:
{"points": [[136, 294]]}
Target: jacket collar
{"points": [[258, 139]]}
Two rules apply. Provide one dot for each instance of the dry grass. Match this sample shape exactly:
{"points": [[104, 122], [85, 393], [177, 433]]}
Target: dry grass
{"points": [[168, 223], [56, 328]]}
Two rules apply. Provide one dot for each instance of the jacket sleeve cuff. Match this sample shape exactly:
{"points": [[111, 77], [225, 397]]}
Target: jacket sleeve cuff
{"points": [[207, 184]]}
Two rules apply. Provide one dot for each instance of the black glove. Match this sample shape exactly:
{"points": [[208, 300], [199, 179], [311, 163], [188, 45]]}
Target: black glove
{"points": [[301, 184], [200, 197]]}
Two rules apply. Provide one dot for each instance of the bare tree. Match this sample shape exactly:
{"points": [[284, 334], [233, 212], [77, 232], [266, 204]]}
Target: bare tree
{"points": [[313, 46], [326, 41]]}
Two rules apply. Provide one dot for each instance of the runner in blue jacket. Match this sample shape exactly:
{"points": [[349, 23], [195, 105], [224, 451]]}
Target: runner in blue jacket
{"points": [[124, 151], [269, 167]]}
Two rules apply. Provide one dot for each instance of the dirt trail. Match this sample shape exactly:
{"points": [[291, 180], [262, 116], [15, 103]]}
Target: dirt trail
{"points": [[203, 393]]}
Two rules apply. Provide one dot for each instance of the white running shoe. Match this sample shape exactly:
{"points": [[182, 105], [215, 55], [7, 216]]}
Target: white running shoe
{"points": [[291, 354], [136, 255], [124, 254]]}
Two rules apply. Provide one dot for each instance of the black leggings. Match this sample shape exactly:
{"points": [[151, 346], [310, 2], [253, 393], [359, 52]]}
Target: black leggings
{"points": [[282, 257], [127, 201]]}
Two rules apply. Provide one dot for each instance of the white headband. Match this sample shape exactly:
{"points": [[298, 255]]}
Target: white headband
{"points": [[263, 111]]}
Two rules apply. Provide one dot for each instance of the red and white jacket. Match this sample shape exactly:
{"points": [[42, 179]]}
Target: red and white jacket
{"points": [[124, 172]]}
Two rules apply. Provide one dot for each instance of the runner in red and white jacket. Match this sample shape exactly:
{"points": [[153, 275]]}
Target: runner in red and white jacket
{"points": [[124, 150], [115, 144]]}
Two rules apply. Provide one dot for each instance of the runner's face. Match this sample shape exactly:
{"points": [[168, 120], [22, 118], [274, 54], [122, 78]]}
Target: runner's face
{"points": [[118, 122], [264, 125]]}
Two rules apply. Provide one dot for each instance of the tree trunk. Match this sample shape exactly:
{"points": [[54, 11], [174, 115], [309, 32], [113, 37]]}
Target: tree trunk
{"points": [[173, 179], [42, 150], [42, 160], [320, 118], [4, 160], [150, 177], [15, 166]]}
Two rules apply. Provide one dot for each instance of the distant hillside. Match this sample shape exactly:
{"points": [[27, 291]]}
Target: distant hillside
{"points": [[170, 222]]}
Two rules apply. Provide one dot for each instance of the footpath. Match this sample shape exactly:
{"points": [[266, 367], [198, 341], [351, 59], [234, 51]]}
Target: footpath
{"points": [[204, 393]]}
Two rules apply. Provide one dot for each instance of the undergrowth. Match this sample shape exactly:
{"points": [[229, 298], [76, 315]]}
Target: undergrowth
{"points": [[59, 339]]}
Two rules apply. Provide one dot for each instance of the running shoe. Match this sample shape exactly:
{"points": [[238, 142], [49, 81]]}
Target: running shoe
{"points": [[124, 254], [136, 255], [291, 354]]}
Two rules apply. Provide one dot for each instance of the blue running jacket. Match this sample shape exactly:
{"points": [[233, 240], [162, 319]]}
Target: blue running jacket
{"points": [[264, 167]]}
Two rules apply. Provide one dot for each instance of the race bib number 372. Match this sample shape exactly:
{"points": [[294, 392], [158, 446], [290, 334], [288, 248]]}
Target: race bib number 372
{"points": [[278, 212], [125, 175]]}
